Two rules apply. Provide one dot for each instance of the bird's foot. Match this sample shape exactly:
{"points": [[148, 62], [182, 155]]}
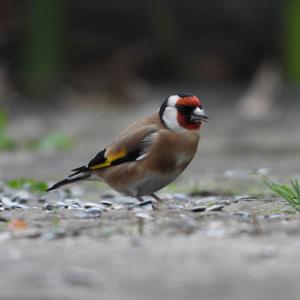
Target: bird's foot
{"points": [[144, 203]]}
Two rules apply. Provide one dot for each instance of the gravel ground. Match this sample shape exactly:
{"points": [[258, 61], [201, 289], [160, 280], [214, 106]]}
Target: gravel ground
{"points": [[218, 235], [212, 247]]}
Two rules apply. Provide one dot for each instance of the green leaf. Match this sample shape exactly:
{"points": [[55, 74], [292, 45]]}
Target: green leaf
{"points": [[29, 184], [39, 186], [16, 183]]}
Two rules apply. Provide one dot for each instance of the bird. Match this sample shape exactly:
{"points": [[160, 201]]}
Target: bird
{"points": [[150, 153]]}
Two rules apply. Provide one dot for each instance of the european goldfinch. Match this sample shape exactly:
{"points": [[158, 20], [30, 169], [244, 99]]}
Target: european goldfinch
{"points": [[150, 153]]}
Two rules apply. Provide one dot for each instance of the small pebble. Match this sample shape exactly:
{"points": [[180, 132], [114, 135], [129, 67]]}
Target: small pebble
{"points": [[106, 203], [228, 202], [72, 203], [60, 204], [198, 209], [73, 206], [92, 204], [21, 197], [216, 207], [50, 206], [41, 199], [21, 206], [7, 203], [89, 213], [144, 203]]}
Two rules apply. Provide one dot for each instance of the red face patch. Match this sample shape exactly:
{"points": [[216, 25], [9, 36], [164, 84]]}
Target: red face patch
{"points": [[189, 101], [183, 119], [185, 123]]}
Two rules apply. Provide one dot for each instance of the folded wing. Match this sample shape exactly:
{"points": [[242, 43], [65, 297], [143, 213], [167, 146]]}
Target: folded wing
{"points": [[126, 148]]}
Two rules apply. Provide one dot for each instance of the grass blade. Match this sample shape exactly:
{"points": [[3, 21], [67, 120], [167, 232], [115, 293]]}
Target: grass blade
{"points": [[290, 193]]}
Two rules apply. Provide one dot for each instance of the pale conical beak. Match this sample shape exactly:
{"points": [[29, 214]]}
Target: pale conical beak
{"points": [[199, 115]]}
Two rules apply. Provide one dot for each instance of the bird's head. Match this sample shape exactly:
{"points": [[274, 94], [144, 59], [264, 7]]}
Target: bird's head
{"points": [[182, 111]]}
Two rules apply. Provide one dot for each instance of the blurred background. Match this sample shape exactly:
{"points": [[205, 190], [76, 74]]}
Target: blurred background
{"points": [[73, 73]]}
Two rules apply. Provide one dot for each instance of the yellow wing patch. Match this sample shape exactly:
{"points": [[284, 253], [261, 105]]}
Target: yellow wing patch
{"points": [[109, 159]]}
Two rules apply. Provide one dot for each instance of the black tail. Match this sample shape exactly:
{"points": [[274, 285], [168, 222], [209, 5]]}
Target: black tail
{"points": [[82, 176]]}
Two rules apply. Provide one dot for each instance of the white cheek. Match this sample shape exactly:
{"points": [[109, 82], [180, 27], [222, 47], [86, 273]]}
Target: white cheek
{"points": [[172, 100], [170, 119]]}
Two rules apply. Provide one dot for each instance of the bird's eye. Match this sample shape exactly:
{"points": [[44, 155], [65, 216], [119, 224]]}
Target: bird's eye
{"points": [[185, 109]]}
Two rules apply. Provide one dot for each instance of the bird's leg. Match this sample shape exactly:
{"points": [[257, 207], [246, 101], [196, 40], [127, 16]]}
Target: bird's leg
{"points": [[156, 198], [159, 200], [139, 198]]}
